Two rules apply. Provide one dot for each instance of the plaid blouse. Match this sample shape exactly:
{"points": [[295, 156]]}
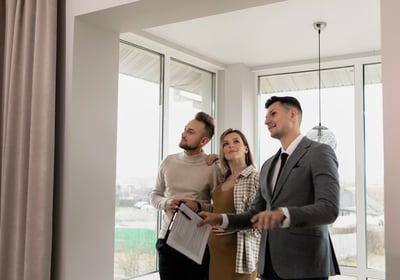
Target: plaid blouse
{"points": [[248, 241]]}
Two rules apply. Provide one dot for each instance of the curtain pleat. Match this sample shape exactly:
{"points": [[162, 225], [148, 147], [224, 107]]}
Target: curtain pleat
{"points": [[27, 100]]}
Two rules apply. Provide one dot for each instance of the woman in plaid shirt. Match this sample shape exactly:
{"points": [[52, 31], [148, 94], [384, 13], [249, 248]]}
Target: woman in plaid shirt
{"points": [[233, 255]]}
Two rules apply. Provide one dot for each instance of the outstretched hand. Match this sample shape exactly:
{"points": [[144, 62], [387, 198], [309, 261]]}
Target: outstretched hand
{"points": [[268, 219], [210, 218]]}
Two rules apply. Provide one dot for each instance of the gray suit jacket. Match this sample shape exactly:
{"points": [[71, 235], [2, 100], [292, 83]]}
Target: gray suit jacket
{"points": [[309, 187]]}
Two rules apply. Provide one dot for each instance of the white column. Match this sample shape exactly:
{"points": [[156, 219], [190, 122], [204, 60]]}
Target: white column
{"points": [[390, 11], [236, 101]]}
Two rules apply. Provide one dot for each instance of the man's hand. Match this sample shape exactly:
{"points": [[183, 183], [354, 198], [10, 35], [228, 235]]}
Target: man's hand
{"points": [[210, 218], [190, 203], [268, 219], [172, 204]]}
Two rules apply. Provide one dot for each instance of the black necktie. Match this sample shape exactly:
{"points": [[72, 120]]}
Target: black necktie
{"points": [[284, 157]]}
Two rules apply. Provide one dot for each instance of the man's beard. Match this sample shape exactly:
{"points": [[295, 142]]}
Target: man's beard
{"points": [[188, 147]]}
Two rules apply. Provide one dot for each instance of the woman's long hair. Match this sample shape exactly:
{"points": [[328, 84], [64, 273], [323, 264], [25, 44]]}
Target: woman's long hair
{"points": [[225, 169]]}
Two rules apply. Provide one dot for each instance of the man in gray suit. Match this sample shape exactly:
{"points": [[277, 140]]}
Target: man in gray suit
{"points": [[292, 209]]}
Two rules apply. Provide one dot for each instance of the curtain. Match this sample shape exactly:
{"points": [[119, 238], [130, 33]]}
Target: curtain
{"points": [[28, 42]]}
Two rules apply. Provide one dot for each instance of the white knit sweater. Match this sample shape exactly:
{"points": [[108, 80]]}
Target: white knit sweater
{"points": [[183, 176]]}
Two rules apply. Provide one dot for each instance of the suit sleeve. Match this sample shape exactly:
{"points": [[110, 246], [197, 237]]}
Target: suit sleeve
{"points": [[242, 221]]}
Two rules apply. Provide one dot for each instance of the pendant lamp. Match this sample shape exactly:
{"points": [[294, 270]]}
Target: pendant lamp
{"points": [[319, 132]]}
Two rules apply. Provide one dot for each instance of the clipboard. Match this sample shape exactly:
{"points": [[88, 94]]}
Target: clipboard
{"points": [[184, 236]]}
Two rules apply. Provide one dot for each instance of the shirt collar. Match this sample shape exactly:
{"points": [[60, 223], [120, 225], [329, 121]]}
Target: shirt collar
{"points": [[247, 171], [290, 149]]}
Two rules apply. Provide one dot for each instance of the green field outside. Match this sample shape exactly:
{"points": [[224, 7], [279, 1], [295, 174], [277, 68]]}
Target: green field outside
{"points": [[135, 238]]}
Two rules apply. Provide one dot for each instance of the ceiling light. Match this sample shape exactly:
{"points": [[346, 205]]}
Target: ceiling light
{"points": [[319, 132]]}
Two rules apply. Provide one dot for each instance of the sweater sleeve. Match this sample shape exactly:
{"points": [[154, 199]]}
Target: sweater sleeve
{"points": [[157, 196]]}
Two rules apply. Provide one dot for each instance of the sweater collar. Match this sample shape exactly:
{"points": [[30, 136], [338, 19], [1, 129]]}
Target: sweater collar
{"points": [[193, 158]]}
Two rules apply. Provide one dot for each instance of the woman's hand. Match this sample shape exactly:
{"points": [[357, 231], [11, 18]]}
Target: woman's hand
{"points": [[220, 231], [211, 158]]}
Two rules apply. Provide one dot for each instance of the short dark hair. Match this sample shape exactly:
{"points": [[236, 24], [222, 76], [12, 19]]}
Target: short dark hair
{"points": [[208, 123], [284, 100]]}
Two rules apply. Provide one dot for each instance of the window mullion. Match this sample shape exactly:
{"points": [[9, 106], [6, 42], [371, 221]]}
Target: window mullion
{"points": [[360, 170]]}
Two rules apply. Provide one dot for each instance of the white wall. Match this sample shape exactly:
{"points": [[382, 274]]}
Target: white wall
{"points": [[390, 15], [85, 241]]}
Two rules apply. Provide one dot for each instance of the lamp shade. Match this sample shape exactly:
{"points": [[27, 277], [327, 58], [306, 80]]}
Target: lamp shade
{"points": [[322, 134]]}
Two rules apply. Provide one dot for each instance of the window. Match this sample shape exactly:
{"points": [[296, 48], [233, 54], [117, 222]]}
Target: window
{"points": [[191, 90], [149, 126], [137, 161], [357, 233]]}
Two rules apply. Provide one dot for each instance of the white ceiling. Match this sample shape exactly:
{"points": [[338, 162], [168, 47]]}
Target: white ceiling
{"points": [[279, 33]]}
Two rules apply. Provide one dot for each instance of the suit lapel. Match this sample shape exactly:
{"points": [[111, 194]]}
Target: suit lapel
{"points": [[290, 163]]}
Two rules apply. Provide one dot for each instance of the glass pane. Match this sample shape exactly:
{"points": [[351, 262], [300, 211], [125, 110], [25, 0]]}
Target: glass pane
{"points": [[191, 90], [374, 168], [135, 219], [304, 86]]}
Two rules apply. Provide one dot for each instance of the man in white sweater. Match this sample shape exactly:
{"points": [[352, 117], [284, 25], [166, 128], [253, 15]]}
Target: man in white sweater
{"points": [[185, 177]]}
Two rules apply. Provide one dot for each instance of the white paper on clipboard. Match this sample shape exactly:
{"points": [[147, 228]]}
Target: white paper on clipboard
{"points": [[184, 235]]}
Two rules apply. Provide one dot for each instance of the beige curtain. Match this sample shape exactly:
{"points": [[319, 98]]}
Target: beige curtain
{"points": [[28, 41]]}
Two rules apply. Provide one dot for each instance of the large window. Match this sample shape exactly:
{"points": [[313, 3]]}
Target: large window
{"points": [[354, 116], [137, 160], [149, 126]]}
